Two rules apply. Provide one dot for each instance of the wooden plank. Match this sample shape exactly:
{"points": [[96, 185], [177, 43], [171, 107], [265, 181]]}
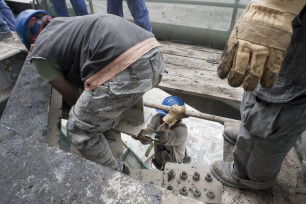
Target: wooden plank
{"points": [[193, 52], [192, 70], [199, 83], [189, 47], [189, 62], [194, 74]]}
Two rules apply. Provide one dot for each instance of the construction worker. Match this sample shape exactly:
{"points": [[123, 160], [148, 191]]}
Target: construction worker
{"points": [[268, 44], [113, 60], [137, 8], [169, 139], [7, 21]]}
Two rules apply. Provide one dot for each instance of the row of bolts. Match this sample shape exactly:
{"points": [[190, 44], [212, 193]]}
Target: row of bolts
{"points": [[196, 177]]}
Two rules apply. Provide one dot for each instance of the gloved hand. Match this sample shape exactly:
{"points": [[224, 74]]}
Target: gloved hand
{"points": [[175, 114], [142, 138], [257, 45]]}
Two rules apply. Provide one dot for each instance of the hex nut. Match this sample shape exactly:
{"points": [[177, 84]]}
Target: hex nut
{"points": [[210, 193], [208, 177], [184, 175], [183, 191], [171, 174], [196, 192], [196, 176], [9, 68]]}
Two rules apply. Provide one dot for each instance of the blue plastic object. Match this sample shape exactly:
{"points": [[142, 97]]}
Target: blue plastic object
{"points": [[170, 101], [22, 21]]}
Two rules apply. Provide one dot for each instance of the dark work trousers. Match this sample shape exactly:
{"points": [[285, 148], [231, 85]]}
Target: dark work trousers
{"points": [[272, 120]]}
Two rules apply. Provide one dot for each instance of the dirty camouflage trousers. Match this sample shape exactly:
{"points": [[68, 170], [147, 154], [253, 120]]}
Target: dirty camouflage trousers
{"points": [[96, 110]]}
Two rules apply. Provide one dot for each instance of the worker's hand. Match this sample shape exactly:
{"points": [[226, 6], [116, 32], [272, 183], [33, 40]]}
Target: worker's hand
{"points": [[175, 114], [142, 136], [257, 45]]}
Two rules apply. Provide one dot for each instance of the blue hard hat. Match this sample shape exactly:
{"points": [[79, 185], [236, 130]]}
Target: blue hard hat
{"points": [[22, 21], [170, 101]]}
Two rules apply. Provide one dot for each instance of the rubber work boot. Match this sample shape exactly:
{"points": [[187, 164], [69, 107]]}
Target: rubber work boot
{"points": [[224, 172], [230, 134]]}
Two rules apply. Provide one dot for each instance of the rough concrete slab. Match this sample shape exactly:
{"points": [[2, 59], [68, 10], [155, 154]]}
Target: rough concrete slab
{"points": [[33, 172]]}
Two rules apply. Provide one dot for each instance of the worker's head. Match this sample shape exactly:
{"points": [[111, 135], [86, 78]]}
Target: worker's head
{"points": [[29, 24], [170, 101]]}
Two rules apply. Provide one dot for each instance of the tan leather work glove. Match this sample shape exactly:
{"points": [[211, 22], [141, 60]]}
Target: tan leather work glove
{"points": [[175, 114], [257, 45], [142, 138]]}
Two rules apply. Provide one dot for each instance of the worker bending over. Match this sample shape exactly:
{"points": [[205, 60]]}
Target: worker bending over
{"points": [[168, 133], [113, 60]]}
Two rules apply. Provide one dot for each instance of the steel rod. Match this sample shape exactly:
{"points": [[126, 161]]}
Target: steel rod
{"points": [[191, 113]]}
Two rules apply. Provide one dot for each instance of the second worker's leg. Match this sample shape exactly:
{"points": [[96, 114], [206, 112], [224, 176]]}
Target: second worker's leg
{"points": [[140, 13], [115, 7]]}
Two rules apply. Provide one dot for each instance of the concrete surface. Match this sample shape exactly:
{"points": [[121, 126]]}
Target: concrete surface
{"points": [[33, 172], [290, 187]]}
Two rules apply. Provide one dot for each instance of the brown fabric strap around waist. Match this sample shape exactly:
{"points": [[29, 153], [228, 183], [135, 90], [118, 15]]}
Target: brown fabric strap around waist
{"points": [[120, 63]]}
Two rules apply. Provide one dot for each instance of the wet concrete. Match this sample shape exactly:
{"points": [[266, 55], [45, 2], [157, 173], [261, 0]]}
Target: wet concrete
{"points": [[33, 172]]}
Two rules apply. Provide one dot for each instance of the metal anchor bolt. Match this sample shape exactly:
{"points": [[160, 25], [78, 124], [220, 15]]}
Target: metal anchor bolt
{"points": [[196, 192], [7, 61], [14, 75], [184, 191], [184, 175], [8, 68], [171, 174], [210, 193], [208, 177], [196, 176]]}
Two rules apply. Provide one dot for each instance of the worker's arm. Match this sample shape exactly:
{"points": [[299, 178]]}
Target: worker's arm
{"points": [[69, 92], [51, 72], [154, 123], [176, 135], [152, 126], [171, 132], [256, 47]]}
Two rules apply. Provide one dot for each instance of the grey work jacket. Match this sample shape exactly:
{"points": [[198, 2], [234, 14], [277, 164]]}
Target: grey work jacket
{"points": [[174, 139], [84, 45]]}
